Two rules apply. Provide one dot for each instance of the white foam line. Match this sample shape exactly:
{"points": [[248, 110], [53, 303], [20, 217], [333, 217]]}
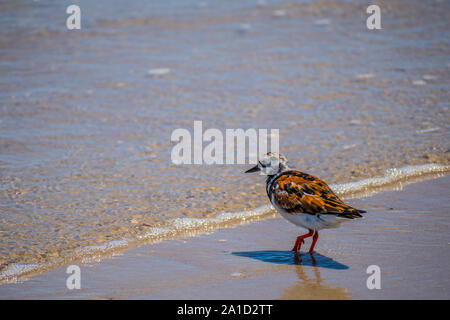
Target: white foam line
{"points": [[14, 270], [104, 246], [428, 130], [391, 176]]}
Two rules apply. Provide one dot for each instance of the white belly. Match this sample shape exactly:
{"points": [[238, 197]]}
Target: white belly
{"points": [[310, 221]]}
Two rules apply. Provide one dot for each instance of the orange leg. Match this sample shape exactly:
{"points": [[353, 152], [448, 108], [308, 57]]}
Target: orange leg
{"points": [[300, 240], [315, 237]]}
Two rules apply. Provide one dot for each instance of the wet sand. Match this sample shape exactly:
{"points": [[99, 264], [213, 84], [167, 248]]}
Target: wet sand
{"points": [[404, 232]]}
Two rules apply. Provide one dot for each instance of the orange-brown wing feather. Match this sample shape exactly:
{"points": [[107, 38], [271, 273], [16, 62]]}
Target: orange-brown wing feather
{"points": [[297, 192]]}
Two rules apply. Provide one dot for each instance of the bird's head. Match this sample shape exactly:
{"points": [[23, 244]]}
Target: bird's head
{"points": [[271, 164]]}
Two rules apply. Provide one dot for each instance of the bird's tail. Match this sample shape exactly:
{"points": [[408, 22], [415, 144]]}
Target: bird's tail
{"points": [[352, 213]]}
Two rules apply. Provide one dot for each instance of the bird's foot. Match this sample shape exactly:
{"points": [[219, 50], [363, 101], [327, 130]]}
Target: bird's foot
{"points": [[297, 245]]}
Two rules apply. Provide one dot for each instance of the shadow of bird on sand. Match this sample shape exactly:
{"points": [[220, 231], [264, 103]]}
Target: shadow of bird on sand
{"points": [[293, 258]]}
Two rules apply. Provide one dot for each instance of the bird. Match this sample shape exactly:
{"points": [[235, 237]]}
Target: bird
{"points": [[302, 199]]}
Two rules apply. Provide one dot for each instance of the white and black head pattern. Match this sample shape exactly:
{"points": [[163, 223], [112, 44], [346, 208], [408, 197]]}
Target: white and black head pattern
{"points": [[271, 164]]}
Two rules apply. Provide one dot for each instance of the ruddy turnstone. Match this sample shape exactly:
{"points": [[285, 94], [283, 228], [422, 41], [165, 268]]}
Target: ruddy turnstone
{"points": [[302, 199]]}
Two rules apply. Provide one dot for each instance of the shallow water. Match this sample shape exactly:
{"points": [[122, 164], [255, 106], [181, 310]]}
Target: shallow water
{"points": [[85, 124]]}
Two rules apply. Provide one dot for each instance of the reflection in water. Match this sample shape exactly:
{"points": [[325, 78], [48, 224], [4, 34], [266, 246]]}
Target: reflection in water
{"points": [[307, 287], [312, 287]]}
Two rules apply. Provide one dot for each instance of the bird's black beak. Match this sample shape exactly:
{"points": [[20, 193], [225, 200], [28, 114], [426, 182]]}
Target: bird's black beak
{"points": [[254, 169]]}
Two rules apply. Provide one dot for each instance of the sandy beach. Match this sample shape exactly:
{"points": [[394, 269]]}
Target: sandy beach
{"points": [[405, 233]]}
